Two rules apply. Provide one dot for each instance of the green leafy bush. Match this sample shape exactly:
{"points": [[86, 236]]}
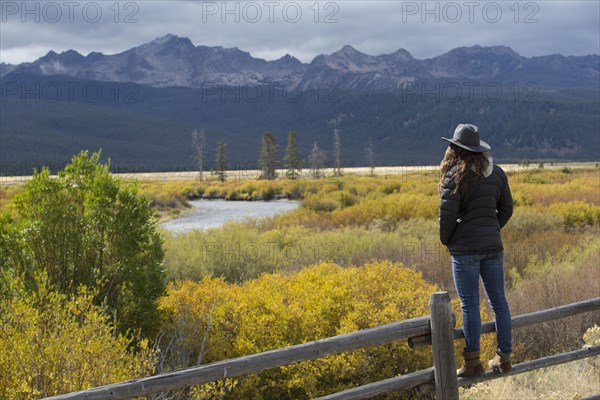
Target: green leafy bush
{"points": [[85, 227]]}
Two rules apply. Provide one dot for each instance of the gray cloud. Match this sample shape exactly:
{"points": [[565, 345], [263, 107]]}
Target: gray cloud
{"points": [[426, 29]]}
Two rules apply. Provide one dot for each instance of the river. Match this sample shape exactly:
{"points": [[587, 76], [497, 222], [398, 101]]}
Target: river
{"points": [[208, 214]]}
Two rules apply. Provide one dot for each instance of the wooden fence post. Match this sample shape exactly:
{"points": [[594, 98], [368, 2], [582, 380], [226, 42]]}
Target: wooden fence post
{"points": [[442, 337]]}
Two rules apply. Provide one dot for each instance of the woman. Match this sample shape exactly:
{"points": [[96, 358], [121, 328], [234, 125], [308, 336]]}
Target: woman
{"points": [[475, 204]]}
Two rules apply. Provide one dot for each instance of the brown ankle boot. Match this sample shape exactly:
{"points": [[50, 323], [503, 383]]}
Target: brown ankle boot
{"points": [[501, 362], [472, 366]]}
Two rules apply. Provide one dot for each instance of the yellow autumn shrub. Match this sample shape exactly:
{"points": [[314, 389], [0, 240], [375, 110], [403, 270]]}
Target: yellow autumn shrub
{"points": [[53, 343], [577, 213], [392, 208], [212, 320]]}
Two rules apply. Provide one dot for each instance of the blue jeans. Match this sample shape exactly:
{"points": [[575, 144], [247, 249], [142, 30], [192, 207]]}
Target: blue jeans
{"points": [[466, 270]]}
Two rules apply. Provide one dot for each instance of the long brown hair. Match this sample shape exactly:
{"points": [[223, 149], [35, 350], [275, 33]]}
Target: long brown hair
{"points": [[464, 160]]}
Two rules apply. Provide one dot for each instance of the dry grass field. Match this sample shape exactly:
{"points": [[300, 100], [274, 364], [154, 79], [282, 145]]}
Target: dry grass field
{"points": [[254, 174]]}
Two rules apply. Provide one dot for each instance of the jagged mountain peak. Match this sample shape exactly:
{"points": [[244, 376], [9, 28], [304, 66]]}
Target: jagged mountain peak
{"points": [[502, 50], [94, 55], [346, 59], [478, 50], [477, 62], [349, 52], [49, 55], [71, 52], [169, 38], [69, 57], [53, 63], [168, 41], [6, 68], [226, 51], [402, 54], [347, 49], [63, 54], [289, 59]]}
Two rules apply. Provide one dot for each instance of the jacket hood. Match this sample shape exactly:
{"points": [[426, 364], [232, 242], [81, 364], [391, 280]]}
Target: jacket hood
{"points": [[490, 167]]}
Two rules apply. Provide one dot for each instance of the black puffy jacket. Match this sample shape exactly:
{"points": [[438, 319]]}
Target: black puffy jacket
{"points": [[470, 220]]}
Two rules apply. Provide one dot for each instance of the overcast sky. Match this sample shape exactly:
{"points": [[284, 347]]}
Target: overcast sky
{"points": [[304, 29]]}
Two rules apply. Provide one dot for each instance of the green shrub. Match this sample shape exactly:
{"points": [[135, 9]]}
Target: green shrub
{"points": [[390, 188], [320, 202], [86, 227], [527, 221]]}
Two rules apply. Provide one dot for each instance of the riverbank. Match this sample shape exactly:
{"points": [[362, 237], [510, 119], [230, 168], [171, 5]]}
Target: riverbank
{"points": [[206, 214]]}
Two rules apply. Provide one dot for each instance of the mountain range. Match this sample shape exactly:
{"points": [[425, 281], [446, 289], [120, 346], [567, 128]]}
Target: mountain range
{"points": [[154, 95], [175, 61]]}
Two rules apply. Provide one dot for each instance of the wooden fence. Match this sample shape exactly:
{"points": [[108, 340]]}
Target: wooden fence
{"points": [[436, 329]]}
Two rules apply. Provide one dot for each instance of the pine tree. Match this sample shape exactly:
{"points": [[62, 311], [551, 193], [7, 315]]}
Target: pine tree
{"points": [[316, 159], [292, 160], [337, 153], [370, 155], [269, 156], [199, 141], [221, 161]]}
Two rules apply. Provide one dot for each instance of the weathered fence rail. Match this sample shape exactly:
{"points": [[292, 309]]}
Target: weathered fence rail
{"points": [[425, 376], [521, 320], [436, 329]]}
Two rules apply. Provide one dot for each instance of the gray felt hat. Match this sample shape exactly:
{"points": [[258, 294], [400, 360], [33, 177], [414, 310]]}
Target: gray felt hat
{"points": [[467, 137]]}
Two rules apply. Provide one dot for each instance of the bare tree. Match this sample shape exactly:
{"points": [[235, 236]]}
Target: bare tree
{"points": [[337, 153], [316, 160], [199, 141], [205, 338], [370, 154]]}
